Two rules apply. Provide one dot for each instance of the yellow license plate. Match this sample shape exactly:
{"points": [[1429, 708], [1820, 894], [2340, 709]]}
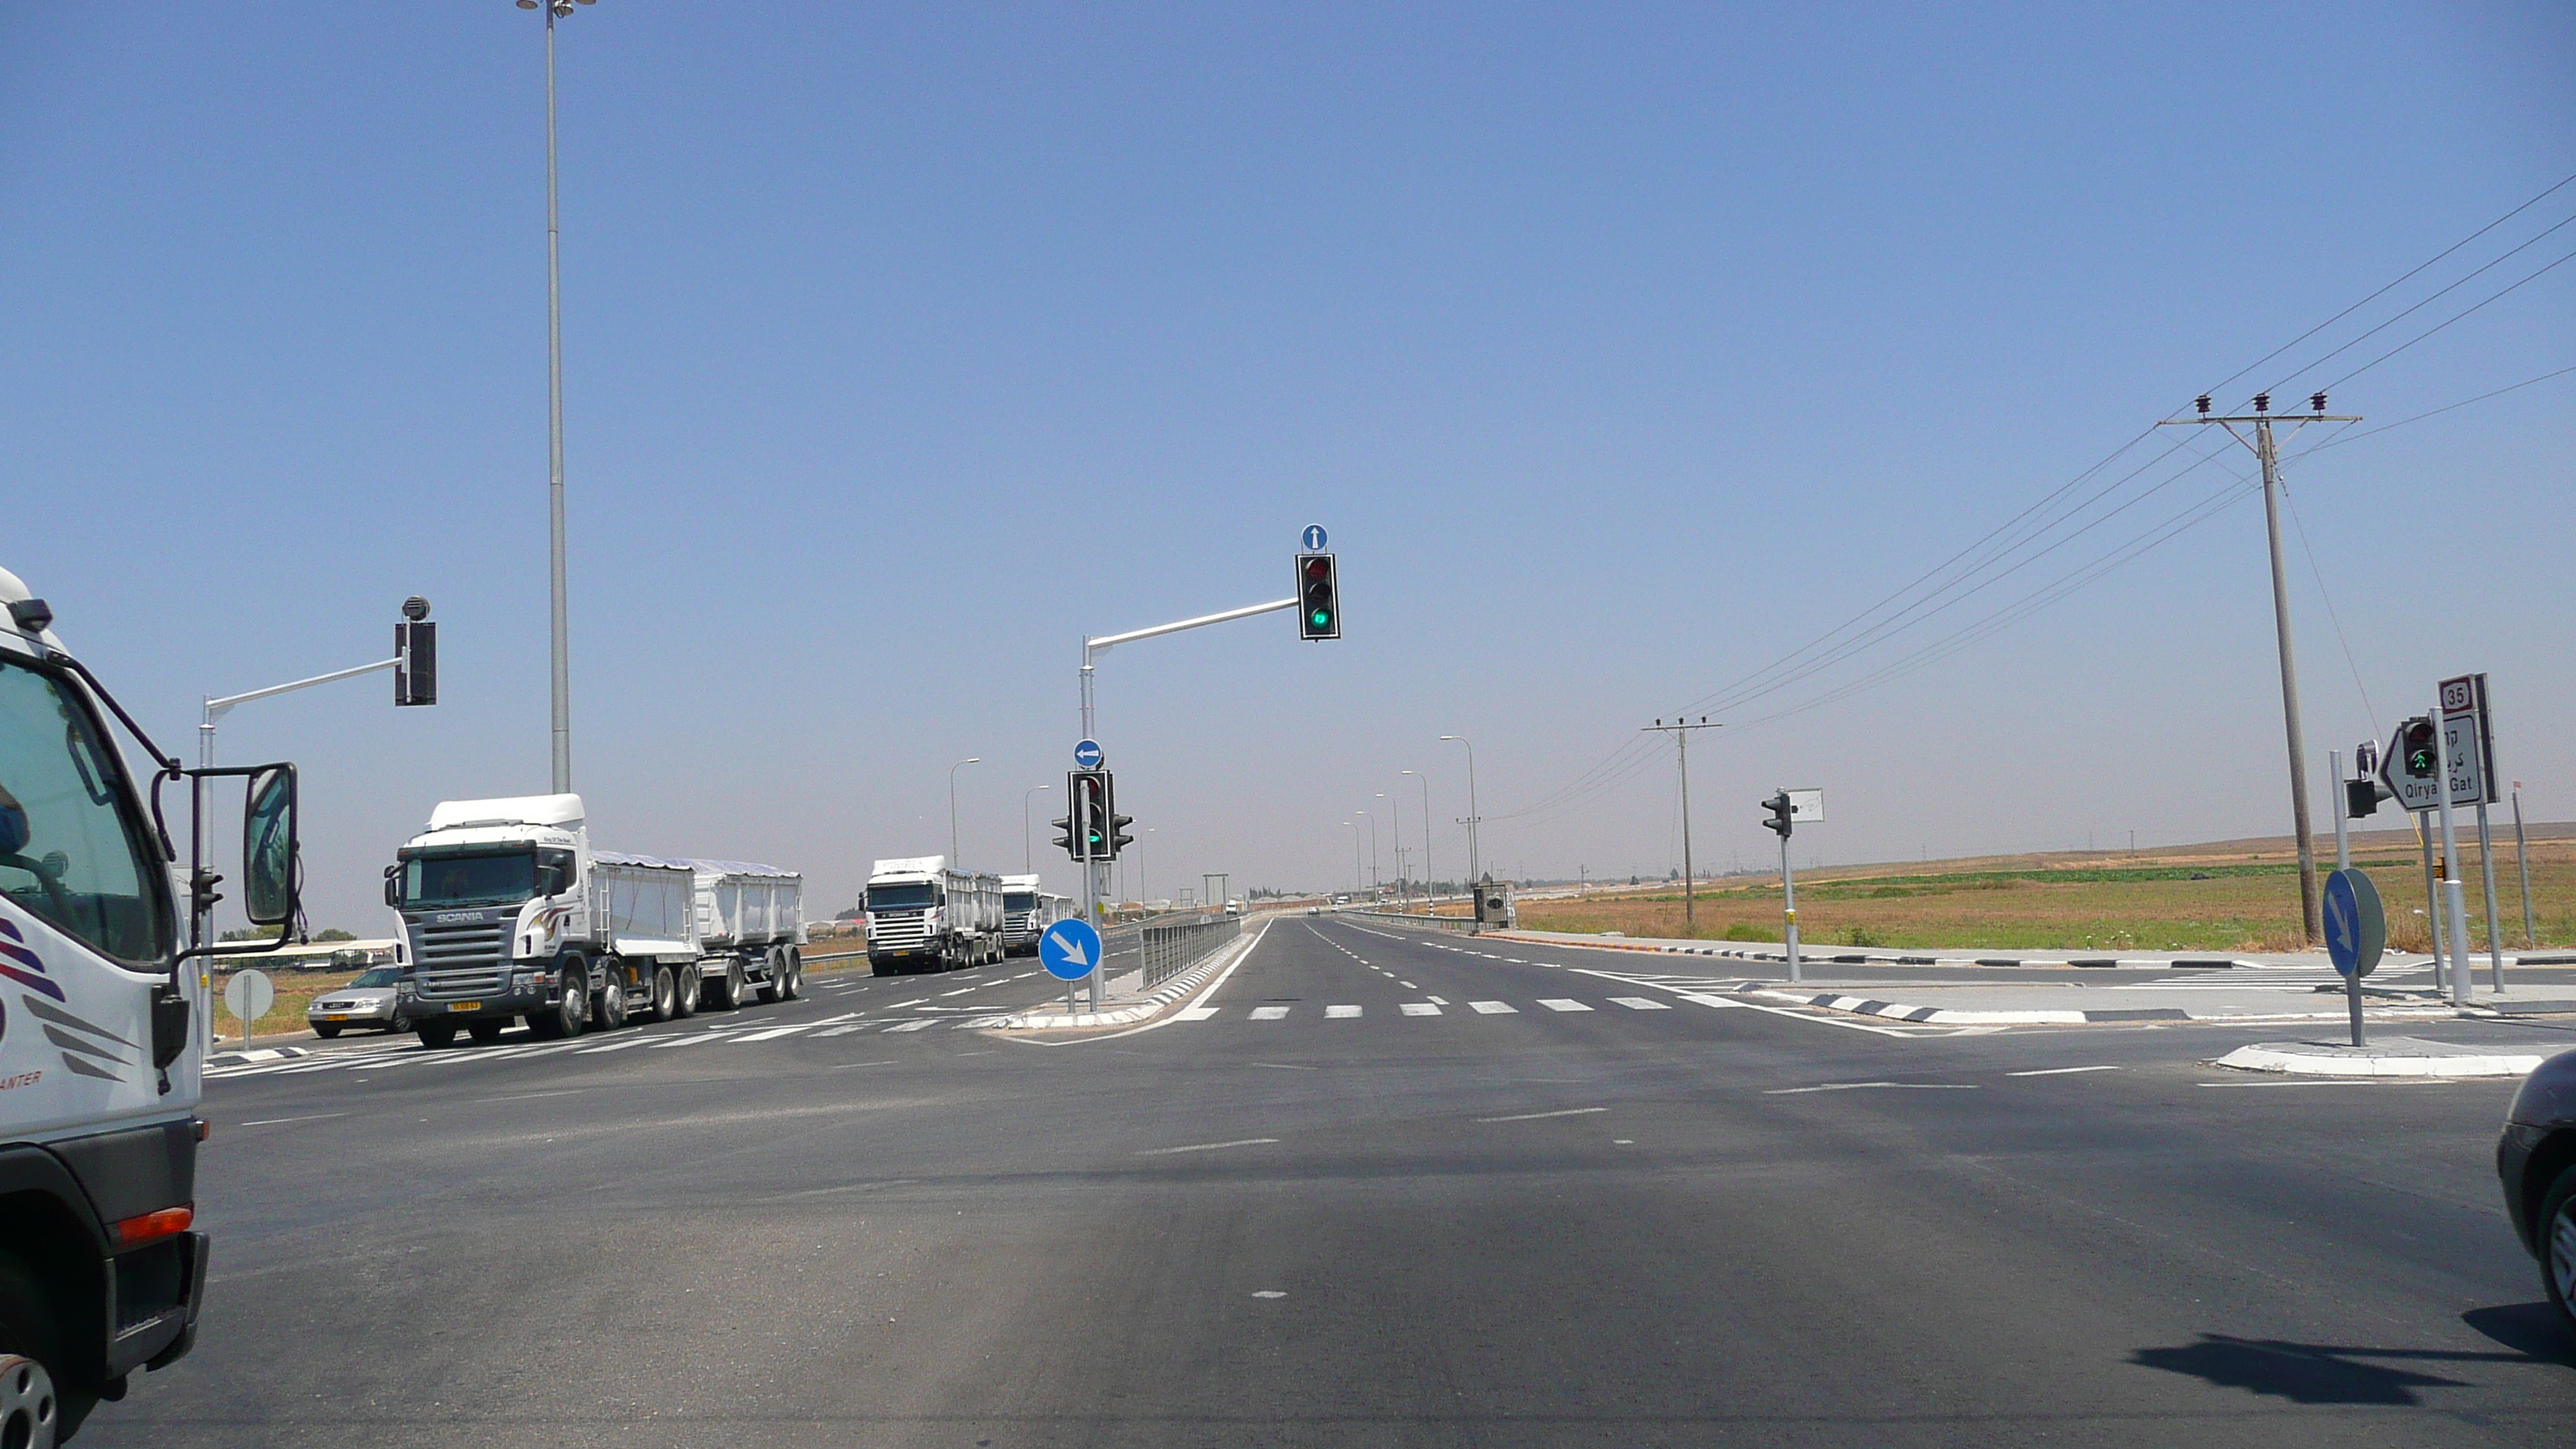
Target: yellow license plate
{"points": [[465, 1006], [338, 1016]]}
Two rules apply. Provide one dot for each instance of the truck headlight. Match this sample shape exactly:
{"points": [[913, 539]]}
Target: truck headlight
{"points": [[526, 983], [405, 989]]}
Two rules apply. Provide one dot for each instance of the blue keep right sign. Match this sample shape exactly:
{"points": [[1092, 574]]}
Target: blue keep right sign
{"points": [[2356, 928], [1070, 949]]}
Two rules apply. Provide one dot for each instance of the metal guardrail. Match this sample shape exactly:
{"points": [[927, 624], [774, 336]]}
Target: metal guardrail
{"points": [[1459, 925], [1173, 947]]}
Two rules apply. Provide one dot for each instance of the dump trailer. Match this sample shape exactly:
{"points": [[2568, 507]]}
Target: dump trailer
{"points": [[1027, 911], [923, 916], [505, 911], [751, 930], [102, 1017]]}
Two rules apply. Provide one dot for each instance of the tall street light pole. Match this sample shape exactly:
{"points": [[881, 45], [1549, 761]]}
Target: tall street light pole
{"points": [[1425, 782], [1028, 856], [953, 862], [1355, 857], [1474, 857], [1372, 855], [562, 649], [1395, 823]]}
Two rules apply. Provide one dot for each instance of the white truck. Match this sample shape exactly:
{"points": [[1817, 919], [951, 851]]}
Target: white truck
{"points": [[923, 916], [101, 1270], [505, 911], [1027, 911]]}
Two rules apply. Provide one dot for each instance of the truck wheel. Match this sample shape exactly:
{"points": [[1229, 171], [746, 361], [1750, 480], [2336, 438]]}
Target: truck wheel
{"points": [[485, 1030], [438, 1036], [566, 1016], [325, 1032], [774, 989], [795, 984], [608, 1008], [665, 1005], [725, 993], [31, 1362], [689, 986]]}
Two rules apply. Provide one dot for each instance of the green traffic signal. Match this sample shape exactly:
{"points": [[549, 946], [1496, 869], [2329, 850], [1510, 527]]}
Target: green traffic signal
{"points": [[1321, 618]]}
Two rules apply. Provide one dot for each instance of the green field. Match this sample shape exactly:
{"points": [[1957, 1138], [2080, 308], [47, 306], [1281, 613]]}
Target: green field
{"points": [[2203, 899]]}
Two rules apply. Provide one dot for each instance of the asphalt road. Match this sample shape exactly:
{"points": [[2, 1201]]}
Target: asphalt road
{"points": [[1627, 1217]]}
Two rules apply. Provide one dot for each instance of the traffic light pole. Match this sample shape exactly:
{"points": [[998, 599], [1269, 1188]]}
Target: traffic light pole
{"points": [[2311, 923], [1789, 906], [2454, 899], [1095, 873]]}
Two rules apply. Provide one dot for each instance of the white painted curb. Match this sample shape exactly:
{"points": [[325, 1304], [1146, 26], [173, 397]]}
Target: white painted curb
{"points": [[2295, 1057], [1169, 992]]}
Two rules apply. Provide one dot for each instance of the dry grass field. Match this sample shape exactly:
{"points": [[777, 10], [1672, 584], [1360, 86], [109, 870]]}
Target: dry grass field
{"points": [[2228, 896]]}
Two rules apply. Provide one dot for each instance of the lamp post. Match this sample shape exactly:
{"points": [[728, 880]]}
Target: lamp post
{"points": [[1474, 857], [1028, 856], [1395, 823], [1372, 855], [1428, 906], [953, 862], [1355, 857], [562, 665]]}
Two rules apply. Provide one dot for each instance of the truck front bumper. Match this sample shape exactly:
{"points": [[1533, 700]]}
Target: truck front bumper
{"points": [[423, 1011]]}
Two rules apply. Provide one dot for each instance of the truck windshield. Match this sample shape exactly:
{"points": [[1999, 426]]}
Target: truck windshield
{"points": [[902, 897], [1020, 901], [498, 879], [74, 852]]}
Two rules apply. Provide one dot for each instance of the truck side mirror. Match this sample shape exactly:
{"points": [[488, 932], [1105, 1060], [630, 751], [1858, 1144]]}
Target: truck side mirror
{"points": [[268, 847], [393, 886]]}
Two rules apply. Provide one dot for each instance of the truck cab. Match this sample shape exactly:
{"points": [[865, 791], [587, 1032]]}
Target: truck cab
{"points": [[490, 915], [101, 1268]]}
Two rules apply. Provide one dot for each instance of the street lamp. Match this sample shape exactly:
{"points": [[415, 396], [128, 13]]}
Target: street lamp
{"points": [[1028, 858], [1473, 856], [1372, 820], [1355, 857], [1425, 782], [1395, 822], [953, 862], [555, 9]]}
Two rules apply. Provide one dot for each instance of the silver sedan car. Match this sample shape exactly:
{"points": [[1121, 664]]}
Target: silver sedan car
{"points": [[367, 1001]]}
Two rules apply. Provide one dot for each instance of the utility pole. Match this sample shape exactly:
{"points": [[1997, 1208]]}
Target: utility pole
{"points": [[1475, 856], [2522, 856], [2311, 921], [1680, 730]]}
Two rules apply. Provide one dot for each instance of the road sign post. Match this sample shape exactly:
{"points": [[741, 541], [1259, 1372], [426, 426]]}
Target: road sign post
{"points": [[2454, 901], [2464, 699], [2356, 932], [248, 995]]}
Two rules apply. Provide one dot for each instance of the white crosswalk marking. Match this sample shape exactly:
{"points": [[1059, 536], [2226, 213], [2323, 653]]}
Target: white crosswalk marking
{"points": [[1341, 1011], [1196, 1013], [1419, 1008], [1268, 1013], [1561, 1004], [843, 1030], [908, 1026], [680, 1041], [1640, 1003], [772, 1033], [1494, 1008], [613, 1046]]}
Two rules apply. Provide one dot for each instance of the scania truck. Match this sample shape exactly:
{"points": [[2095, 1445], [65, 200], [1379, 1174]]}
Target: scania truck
{"points": [[101, 1267], [1027, 911], [504, 912], [923, 916]]}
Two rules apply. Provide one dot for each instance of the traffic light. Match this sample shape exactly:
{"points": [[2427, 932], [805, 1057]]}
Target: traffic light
{"points": [[415, 654], [1064, 835], [1319, 597], [1779, 807], [1089, 791], [2421, 757], [1117, 824]]}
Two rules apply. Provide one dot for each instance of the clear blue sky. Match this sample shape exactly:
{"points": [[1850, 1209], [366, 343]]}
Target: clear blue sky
{"points": [[1622, 350]]}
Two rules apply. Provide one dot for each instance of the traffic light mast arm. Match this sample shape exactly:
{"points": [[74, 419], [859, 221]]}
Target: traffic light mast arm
{"points": [[1096, 645]]}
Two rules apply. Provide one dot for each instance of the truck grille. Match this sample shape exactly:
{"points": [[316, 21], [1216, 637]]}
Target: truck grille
{"points": [[462, 960], [897, 930]]}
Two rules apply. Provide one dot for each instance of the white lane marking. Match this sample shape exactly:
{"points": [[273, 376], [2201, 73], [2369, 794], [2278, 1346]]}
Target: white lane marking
{"points": [[2351, 1082], [1866, 1086], [911, 1025], [1702, 998], [1847, 1023], [1543, 1116], [843, 1030], [1494, 1008], [844, 1016], [1197, 1013], [962, 990], [1207, 1146], [1283, 1067], [1561, 1004], [1419, 1008], [1268, 1013], [282, 1121], [680, 1041], [775, 1031], [1409, 986], [2060, 1071], [1639, 1003], [1341, 1011], [615, 1046], [1437, 1000], [1268, 1293]]}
